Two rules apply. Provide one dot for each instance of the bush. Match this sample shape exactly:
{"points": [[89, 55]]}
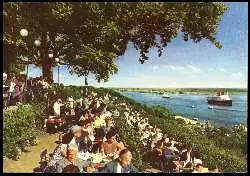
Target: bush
{"points": [[19, 126]]}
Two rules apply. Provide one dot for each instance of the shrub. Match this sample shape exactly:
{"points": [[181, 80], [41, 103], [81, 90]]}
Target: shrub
{"points": [[19, 126]]}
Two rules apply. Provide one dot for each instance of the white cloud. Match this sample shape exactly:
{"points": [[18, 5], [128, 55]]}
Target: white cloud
{"points": [[172, 67], [222, 70], [155, 67], [195, 69], [238, 74]]}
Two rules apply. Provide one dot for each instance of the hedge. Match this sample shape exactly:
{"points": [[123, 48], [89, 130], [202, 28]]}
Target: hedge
{"points": [[20, 125]]}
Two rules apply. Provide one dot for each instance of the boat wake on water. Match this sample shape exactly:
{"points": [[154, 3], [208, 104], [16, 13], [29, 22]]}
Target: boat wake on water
{"points": [[225, 109]]}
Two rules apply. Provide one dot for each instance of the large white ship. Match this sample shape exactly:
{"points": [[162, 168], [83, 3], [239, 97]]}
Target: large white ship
{"points": [[220, 99]]}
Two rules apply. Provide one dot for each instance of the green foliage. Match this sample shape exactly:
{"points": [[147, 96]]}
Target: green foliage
{"points": [[90, 36], [131, 139], [20, 125]]}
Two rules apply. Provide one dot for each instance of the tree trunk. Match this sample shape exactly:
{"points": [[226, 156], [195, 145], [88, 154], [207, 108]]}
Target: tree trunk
{"points": [[86, 82], [45, 60]]}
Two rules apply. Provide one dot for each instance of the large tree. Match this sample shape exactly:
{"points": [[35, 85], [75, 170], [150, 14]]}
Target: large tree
{"points": [[88, 37]]}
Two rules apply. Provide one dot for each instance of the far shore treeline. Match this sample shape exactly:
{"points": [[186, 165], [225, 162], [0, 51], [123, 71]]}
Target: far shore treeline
{"points": [[211, 91]]}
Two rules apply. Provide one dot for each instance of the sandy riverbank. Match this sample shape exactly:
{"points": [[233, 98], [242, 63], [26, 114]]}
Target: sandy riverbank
{"points": [[187, 120]]}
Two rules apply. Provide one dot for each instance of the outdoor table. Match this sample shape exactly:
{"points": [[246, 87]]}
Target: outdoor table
{"points": [[90, 164]]}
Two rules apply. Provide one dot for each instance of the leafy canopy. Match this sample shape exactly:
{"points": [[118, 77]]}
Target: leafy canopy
{"points": [[89, 37]]}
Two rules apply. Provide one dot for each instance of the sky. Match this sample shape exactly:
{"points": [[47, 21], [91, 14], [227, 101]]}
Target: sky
{"points": [[182, 64]]}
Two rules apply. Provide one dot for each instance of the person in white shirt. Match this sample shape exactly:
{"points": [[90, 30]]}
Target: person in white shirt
{"points": [[4, 77], [12, 91], [187, 156], [44, 84], [57, 106], [80, 101], [73, 137], [5, 89], [71, 102], [158, 137]]}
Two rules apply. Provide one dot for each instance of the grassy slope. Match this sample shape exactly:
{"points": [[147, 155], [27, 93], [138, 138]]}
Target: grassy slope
{"points": [[29, 161]]}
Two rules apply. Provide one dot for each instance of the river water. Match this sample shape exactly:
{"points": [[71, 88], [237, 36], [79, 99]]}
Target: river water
{"points": [[182, 105]]}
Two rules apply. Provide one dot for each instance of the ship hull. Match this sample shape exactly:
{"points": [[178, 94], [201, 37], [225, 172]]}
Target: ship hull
{"points": [[220, 103]]}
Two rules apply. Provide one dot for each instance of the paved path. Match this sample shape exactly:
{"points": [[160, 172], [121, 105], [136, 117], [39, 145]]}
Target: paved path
{"points": [[30, 160]]}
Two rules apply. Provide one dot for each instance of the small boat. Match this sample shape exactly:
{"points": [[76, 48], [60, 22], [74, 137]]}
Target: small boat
{"points": [[193, 106], [165, 96], [210, 107]]}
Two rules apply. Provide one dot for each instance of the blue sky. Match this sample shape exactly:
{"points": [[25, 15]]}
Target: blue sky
{"points": [[183, 64]]}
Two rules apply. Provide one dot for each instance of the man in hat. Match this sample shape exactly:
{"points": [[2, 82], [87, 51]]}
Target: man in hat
{"points": [[77, 132]]}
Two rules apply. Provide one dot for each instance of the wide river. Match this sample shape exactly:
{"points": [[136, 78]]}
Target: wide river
{"points": [[182, 104]]}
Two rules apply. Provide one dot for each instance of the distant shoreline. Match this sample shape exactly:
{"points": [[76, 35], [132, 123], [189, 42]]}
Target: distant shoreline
{"points": [[194, 91]]}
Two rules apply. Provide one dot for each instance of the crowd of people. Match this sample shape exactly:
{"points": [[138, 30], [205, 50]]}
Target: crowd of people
{"points": [[166, 153], [93, 135], [12, 90], [16, 90]]}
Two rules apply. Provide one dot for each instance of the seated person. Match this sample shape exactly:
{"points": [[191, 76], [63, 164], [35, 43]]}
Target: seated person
{"points": [[198, 169], [158, 149], [164, 141], [173, 148], [187, 156], [75, 133], [78, 111], [94, 107], [86, 115], [167, 150], [59, 153], [71, 169], [99, 135], [108, 126], [111, 146], [158, 156], [87, 127], [121, 164], [98, 122], [70, 159], [214, 169], [85, 142]]}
